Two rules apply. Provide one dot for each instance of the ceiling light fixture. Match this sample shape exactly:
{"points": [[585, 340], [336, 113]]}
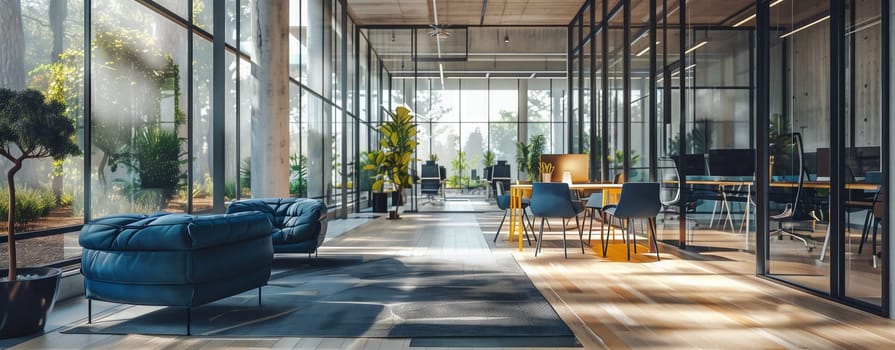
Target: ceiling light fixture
{"points": [[393, 36], [506, 38], [645, 50], [751, 17], [696, 47], [824, 18]]}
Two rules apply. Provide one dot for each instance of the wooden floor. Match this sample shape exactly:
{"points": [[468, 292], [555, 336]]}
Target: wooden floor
{"points": [[608, 302]]}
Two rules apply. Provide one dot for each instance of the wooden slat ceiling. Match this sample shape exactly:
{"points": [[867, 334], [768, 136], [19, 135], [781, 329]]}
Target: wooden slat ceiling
{"points": [[464, 12]]}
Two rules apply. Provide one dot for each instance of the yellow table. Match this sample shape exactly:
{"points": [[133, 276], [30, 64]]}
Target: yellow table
{"points": [[517, 192]]}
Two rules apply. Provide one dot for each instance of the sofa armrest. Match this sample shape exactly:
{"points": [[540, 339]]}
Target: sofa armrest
{"points": [[214, 230]]}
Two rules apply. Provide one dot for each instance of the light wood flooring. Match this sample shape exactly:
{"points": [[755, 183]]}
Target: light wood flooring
{"points": [[676, 303]]}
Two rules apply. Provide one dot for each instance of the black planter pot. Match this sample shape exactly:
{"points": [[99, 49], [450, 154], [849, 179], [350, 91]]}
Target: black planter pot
{"points": [[24, 304], [380, 202]]}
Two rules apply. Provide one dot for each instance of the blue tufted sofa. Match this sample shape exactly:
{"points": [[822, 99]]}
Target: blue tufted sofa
{"points": [[299, 224], [176, 260]]}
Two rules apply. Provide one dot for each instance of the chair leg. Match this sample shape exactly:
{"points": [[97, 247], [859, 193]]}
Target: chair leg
{"points": [[188, 330], [590, 231], [565, 252], [496, 234], [651, 222], [866, 231], [259, 296], [531, 224], [632, 230], [532, 229], [628, 239], [580, 234], [89, 311], [604, 241], [540, 238]]}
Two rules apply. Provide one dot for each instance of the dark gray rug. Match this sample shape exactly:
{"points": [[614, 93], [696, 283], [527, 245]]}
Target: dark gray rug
{"points": [[482, 298]]}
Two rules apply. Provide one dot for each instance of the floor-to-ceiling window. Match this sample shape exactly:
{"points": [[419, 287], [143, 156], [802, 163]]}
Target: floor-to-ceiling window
{"points": [[152, 110]]}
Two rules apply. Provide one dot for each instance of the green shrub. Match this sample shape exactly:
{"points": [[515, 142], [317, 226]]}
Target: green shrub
{"points": [[31, 205]]}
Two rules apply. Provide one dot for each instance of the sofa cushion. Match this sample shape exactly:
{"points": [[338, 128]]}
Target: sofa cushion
{"points": [[162, 232], [294, 220]]}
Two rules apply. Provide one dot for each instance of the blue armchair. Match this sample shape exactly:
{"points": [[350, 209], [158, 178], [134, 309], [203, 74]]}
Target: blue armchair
{"points": [[553, 199], [175, 260], [639, 200], [299, 224]]}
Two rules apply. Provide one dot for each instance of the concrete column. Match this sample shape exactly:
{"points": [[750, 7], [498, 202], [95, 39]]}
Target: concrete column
{"points": [[270, 109], [319, 118]]}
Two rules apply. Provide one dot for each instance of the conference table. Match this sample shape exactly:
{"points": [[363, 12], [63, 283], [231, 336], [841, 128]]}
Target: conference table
{"points": [[724, 184], [519, 191]]}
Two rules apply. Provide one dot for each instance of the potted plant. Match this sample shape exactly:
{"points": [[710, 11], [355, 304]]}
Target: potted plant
{"points": [[375, 168], [30, 128], [487, 163], [396, 153], [522, 158], [536, 147], [546, 170]]}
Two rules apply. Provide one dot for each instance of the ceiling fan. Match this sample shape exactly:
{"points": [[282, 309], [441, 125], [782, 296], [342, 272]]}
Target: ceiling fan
{"points": [[440, 32]]}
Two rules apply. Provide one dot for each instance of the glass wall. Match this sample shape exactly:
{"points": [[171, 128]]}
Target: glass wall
{"points": [[152, 116], [815, 122], [463, 119]]}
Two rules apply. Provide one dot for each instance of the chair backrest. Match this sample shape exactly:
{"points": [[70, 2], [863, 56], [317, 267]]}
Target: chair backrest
{"points": [[430, 185], [791, 159], [551, 199], [639, 200], [595, 200]]}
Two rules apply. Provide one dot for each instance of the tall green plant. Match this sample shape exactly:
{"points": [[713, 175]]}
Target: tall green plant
{"points": [[30, 128], [536, 146], [488, 158], [522, 156], [398, 142], [298, 176]]}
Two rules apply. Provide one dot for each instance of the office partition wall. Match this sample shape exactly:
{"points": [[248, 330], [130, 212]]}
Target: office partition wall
{"points": [[765, 122]]}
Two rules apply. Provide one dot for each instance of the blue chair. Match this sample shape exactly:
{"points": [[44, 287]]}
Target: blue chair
{"points": [[552, 199], [503, 202], [639, 200], [595, 204]]}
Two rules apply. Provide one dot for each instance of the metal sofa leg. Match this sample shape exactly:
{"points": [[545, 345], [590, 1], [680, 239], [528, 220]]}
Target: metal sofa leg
{"points": [[188, 330], [259, 296], [89, 311]]}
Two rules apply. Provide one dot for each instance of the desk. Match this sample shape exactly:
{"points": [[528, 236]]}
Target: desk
{"points": [[519, 191], [807, 184]]}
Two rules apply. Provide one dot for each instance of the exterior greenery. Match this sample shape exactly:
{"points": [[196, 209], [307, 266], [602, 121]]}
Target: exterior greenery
{"points": [[30, 128]]}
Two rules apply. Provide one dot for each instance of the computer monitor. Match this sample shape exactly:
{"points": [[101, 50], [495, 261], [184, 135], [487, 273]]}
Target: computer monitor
{"points": [[863, 159], [859, 161], [430, 171], [731, 162], [822, 167], [500, 171], [693, 164]]}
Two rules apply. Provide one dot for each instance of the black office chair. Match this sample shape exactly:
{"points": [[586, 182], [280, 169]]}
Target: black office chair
{"points": [[790, 148]]}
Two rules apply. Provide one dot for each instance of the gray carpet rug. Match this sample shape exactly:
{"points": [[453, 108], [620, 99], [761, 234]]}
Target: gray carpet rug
{"points": [[404, 297]]}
